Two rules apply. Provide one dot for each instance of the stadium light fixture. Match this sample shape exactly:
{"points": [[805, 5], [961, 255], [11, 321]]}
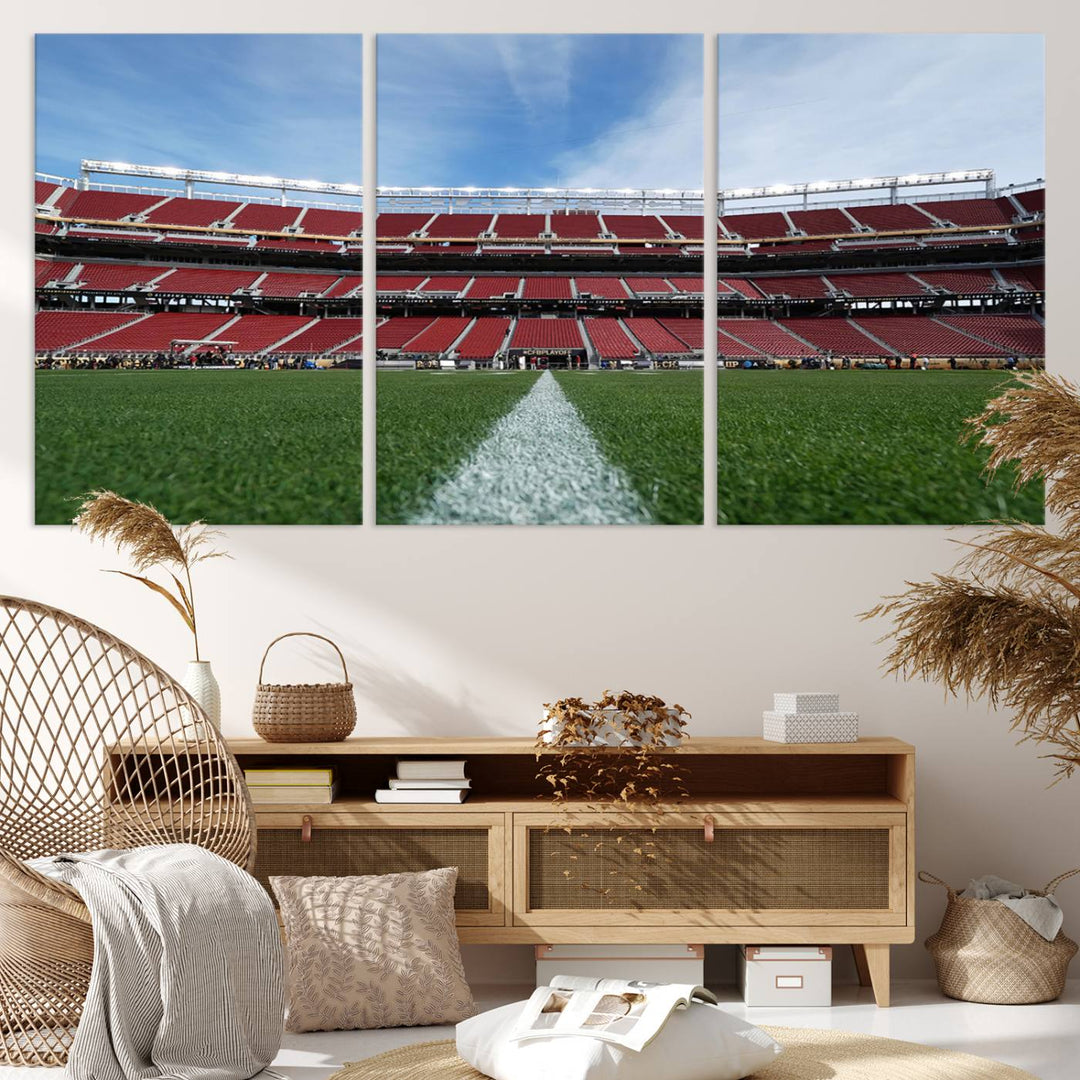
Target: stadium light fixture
{"points": [[196, 176], [866, 183]]}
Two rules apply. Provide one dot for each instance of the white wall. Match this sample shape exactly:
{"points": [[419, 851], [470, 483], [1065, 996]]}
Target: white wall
{"points": [[467, 631]]}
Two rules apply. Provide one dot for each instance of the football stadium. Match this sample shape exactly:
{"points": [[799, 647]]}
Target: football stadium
{"points": [[940, 274], [853, 275], [150, 271]]}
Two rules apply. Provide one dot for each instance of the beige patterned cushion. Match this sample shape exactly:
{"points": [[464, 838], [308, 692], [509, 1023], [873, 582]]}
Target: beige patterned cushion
{"points": [[373, 952]]}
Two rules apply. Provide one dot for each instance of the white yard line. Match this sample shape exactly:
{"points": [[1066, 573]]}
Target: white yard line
{"points": [[540, 465]]}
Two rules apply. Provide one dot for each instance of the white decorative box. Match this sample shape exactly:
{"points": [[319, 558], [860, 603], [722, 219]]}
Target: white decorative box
{"points": [[801, 702], [782, 976], [810, 728], [643, 963]]}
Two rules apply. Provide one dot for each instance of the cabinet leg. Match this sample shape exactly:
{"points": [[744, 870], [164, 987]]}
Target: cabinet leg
{"points": [[875, 960], [861, 965]]}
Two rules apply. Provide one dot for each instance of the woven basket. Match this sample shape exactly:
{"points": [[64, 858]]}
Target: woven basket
{"points": [[322, 712], [985, 952]]}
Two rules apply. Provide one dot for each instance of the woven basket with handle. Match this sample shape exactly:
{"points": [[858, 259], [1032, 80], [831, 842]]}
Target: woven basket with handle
{"points": [[985, 952], [304, 712]]}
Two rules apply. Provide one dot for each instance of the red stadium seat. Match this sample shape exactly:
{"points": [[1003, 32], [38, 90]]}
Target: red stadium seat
{"points": [[261, 217], [755, 226], [1020, 334], [484, 339], [607, 288], [636, 226], [582, 226], [278, 284], [540, 333], [892, 217], [923, 336], [802, 285], [324, 337], [610, 340], [203, 281], [763, 336], [397, 332], [256, 333], [440, 335], [654, 336], [160, 330], [967, 211], [328, 222], [520, 226], [547, 288], [55, 330], [201, 212], [835, 335], [491, 286]]}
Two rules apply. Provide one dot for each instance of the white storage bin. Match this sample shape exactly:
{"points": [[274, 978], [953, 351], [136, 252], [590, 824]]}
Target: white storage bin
{"points": [[785, 976], [644, 963]]}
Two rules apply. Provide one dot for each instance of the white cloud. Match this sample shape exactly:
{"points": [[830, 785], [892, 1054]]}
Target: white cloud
{"points": [[538, 82], [660, 147], [823, 107]]}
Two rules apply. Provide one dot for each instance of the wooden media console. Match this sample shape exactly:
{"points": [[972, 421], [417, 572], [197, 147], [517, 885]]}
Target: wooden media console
{"points": [[777, 843]]}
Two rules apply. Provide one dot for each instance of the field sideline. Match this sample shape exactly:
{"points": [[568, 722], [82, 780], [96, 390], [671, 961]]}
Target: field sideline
{"points": [[858, 447], [431, 426], [231, 447]]}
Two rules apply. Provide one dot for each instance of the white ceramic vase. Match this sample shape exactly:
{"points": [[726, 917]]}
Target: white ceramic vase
{"points": [[200, 683]]}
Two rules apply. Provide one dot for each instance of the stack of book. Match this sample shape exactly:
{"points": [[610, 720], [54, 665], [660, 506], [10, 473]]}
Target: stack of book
{"points": [[431, 781], [299, 786]]}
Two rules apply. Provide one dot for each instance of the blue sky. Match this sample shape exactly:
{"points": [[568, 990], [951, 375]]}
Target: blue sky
{"points": [[811, 107], [573, 110], [264, 104]]}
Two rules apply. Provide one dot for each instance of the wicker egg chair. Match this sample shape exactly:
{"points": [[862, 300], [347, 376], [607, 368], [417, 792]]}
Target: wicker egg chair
{"points": [[99, 748]]}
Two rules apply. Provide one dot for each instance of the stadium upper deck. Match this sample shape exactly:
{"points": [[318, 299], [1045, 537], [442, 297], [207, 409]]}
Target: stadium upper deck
{"points": [[548, 222], [468, 273]]}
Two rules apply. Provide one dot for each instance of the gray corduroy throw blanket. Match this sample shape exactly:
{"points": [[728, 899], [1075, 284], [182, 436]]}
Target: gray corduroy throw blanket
{"points": [[187, 977]]}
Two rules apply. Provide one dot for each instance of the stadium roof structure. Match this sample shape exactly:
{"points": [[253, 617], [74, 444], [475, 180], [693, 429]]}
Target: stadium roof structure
{"points": [[508, 199], [190, 177], [892, 184]]}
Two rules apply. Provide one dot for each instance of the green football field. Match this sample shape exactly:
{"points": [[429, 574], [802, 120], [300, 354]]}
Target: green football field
{"points": [[648, 425], [230, 447], [858, 447]]}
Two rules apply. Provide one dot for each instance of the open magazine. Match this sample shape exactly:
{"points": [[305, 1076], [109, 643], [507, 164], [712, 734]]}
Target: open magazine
{"points": [[616, 1010]]}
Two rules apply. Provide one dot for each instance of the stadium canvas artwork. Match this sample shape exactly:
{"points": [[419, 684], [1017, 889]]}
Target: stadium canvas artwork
{"points": [[540, 236], [880, 241], [198, 327]]}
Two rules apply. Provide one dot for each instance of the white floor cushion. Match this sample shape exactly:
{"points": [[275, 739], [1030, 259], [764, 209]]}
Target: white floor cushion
{"points": [[698, 1043]]}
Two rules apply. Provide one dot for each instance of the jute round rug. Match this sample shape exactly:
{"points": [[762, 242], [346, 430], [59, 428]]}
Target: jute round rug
{"points": [[808, 1055]]}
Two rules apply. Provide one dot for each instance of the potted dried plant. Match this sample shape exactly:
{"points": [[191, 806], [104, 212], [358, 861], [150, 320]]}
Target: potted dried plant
{"points": [[152, 543], [1004, 623], [622, 719], [612, 754]]}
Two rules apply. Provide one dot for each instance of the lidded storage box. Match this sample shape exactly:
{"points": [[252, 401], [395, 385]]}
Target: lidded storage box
{"points": [[641, 963], [780, 976], [803, 717]]}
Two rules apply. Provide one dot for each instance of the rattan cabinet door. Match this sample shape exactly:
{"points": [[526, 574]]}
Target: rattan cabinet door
{"points": [[343, 844], [790, 869]]}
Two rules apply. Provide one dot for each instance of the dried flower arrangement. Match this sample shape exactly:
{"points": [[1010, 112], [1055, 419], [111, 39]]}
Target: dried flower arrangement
{"points": [[1005, 623], [151, 542], [614, 754]]}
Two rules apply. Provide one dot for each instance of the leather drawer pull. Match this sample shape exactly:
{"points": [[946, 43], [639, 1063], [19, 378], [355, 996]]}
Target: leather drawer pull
{"points": [[709, 835], [305, 829]]}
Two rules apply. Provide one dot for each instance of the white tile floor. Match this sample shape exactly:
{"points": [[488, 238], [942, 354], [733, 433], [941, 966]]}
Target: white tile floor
{"points": [[1044, 1039]]}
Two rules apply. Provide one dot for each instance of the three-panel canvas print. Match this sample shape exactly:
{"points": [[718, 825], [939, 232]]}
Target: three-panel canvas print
{"points": [[543, 247]]}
